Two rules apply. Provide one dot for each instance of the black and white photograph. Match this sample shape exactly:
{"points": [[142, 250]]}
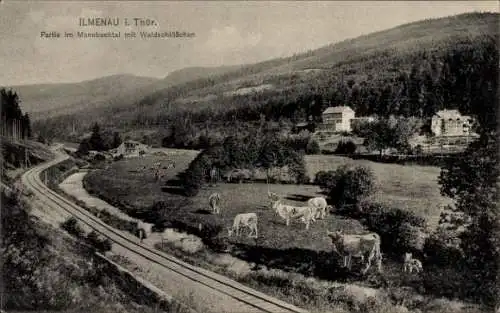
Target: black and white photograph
{"points": [[249, 156]]}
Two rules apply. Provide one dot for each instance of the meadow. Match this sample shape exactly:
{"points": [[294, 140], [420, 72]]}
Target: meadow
{"points": [[414, 188], [130, 185]]}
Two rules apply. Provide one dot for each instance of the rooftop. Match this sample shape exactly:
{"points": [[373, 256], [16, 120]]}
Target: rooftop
{"points": [[449, 114], [338, 109]]}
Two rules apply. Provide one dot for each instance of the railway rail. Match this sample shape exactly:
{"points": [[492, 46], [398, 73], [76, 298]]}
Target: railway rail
{"points": [[243, 299]]}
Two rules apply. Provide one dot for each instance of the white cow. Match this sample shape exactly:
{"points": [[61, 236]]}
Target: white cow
{"points": [[248, 220], [364, 246], [320, 205], [411, 264], [273, 197], [214, 201], [288, 212]]}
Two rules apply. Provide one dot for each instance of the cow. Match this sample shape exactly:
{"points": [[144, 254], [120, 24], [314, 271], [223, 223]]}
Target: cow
{"points": [[214, 201], [169, 166], [364, 246], [248, 220], [273, 197], [288, 212], [411, 264], [320, 205]]}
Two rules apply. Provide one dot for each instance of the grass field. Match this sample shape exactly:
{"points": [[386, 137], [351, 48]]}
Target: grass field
{"points": [[413, 188], [293, 248]]}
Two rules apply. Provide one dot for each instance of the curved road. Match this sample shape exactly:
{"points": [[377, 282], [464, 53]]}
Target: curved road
{"points": [[230, 295]]}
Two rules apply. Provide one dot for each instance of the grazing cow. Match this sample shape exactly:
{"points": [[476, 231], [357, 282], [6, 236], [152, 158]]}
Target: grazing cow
{"points": [[288, 212], [320, 205], [273, 197], [411, 264], [248, 220], [214, 201], [364, 246], [169, 166]]}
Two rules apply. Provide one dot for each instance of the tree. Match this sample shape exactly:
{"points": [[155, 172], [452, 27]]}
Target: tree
{"points": [[390, 133], [378, 135], [117, 140], [471, 181], [84, 147], [95, 140], [26, 126]]}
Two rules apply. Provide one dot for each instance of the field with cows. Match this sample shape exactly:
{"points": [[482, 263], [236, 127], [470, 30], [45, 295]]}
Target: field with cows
{"points": [[131, 185]]}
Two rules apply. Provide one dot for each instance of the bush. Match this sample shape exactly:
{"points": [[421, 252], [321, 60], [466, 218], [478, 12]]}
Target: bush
{"points": [[346, 147], [313, 147], [348, 185], [400, 231], [72, 227], [442, 248], [99, 157], [101, 244], [324, 179]]}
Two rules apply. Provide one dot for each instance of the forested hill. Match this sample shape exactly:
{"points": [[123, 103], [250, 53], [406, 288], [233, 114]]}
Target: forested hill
{"points": [[413, 69]]}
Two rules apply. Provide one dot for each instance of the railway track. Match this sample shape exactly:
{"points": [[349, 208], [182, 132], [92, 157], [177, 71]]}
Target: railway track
{"points": [[240, 298]]}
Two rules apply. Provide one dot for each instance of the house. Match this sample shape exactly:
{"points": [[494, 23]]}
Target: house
{"points": [[451, 123], [130, 148], [338, 118]]}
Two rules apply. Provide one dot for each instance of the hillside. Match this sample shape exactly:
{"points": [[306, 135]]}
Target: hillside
{"points": [[51, 100], [37, 100], [413, 69], [192, 73]]}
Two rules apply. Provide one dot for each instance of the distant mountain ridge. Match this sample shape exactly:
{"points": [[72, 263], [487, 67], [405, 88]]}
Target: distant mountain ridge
{"points": [[367, 71], [50, 100]]}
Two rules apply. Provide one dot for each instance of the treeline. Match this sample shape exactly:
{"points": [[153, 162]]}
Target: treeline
{"points": [[14, 122], [258, 151]]}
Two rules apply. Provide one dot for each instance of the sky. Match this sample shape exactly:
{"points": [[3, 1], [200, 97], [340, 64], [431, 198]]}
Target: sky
{"points": [[226, 33]]}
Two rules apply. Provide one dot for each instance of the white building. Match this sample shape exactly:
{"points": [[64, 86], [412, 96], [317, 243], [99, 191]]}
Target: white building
{"points": [[451, 123], [338, 118], [130, 148]]}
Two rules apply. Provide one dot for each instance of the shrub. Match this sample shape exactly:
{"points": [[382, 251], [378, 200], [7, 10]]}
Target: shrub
{"points": [[313, 147], [324, 179], [409, 238], [349, 185], [442, 248], [72, 227], [346, 147], [400, 231], [99, 157], [101, 244]]}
